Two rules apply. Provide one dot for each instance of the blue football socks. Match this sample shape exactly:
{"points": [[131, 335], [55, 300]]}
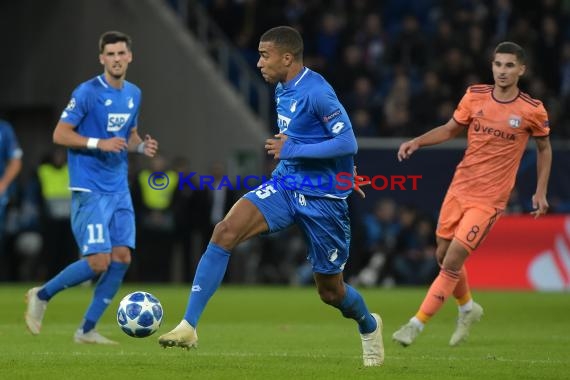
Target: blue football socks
{"points": [[353, 307], [209, 275], [75, 273], [105, 290]]}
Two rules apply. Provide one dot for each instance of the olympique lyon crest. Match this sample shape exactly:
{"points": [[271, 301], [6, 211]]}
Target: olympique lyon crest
{"points": [[515, 121]]}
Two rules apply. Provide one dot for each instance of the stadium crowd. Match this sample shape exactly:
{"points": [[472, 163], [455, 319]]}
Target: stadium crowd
{"points": [[400, 66]]}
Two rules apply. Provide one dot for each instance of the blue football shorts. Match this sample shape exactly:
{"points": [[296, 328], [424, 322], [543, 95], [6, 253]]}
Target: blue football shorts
{"points": [[102, 221], [324, 223]]}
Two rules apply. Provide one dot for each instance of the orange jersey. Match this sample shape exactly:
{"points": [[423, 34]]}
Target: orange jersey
{"points": [[497, 136]]}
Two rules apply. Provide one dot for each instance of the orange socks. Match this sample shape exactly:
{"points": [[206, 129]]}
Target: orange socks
{"points": [[441, 288], [462, 292]]}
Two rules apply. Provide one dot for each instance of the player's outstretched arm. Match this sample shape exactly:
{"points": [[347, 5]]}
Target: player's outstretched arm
{"points": [[436, 136], [342, 144], [543, 164], [407, 149]]}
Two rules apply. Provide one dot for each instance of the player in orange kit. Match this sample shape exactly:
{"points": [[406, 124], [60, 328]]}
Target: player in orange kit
{"points": [[499, 120]]}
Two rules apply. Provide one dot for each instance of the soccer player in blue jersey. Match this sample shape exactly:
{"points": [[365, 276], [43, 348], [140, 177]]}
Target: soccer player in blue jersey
{"points": [[314, 144], [10, 167], [99, 128]]}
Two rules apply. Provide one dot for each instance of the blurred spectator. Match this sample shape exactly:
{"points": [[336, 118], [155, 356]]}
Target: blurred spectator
{"points": [[380, 232], [444, 38], [453, 70], [410, 47], [364, 96], [524, 33], [565, 70], [59, 246], [351, 66], [155, 222], [362, 123], [414, 258], [547, 51], [216, 195], [397, 117], [478, 54], [185, 207], [423, 103], [501, 15], [371, 40], [283, 259]]}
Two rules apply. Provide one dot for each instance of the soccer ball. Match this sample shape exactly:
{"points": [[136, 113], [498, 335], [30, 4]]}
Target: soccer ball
{"points": [[140, 314]]}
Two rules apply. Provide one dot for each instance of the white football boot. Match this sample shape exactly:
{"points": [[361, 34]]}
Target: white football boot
{"points": [[183, 335], [372, 345]]}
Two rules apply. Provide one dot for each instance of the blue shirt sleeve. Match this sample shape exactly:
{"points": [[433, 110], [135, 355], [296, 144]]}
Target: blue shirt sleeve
{"points": [[77, 107], [15, 152], [343, 144], [10, 146]]}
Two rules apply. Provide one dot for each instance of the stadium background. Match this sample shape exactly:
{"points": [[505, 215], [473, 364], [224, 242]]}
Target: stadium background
{"points": [[399, 67]]}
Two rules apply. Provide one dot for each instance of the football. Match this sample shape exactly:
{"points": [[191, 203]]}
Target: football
{"points": [[140, 314]]}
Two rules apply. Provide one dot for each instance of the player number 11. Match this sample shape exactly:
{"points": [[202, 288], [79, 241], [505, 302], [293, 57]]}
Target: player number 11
{"points": [[95, 233]]}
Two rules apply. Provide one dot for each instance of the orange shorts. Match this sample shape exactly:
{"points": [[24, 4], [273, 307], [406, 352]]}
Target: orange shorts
{"points": [[467, 221]]}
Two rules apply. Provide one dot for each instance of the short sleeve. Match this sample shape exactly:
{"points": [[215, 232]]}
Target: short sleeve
{"points": [[540, 126], [329, 110], [462, 114], [77, 107]]}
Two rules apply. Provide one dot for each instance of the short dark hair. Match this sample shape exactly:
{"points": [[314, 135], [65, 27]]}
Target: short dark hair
{"points": [[508, 47], [112, 37], [286, 39]]}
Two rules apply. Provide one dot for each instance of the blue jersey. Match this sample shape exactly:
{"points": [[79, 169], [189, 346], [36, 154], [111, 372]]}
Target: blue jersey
{"points": [[98, 110], [9, 146], [309, 112], [9, 150]]}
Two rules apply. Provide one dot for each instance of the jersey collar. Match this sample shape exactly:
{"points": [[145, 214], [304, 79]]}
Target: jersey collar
{"points": [[295, 81], [106, 84]]}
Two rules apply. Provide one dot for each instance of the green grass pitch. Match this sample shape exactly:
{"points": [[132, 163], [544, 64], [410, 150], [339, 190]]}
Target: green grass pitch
{"points": [[287, 333]]}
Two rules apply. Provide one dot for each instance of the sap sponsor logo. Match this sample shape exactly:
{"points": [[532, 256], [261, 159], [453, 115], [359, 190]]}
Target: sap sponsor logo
{"points": [[328, 118], [70, 105], [116, 121], [493, 132], [550, 270], [283, 122], [515, 121]]}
